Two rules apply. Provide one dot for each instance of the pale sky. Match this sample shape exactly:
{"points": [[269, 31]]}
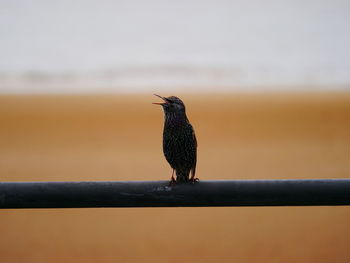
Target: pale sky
{"points": [[186, 42]]}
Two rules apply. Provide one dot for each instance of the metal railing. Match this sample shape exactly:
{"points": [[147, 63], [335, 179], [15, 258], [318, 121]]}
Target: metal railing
{"points": [[315, 192]]}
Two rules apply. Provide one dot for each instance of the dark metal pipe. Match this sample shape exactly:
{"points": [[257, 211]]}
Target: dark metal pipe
{"points": [[160, 194]]}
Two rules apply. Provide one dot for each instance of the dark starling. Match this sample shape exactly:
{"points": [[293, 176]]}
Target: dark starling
{"points": [[179, 140]]}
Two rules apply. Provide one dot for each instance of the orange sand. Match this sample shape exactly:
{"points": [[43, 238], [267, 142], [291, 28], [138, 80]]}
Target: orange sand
{"points": [[56, 138]]}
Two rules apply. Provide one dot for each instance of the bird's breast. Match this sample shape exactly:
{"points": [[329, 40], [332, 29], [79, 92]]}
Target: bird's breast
{"points": [[179, 145]]}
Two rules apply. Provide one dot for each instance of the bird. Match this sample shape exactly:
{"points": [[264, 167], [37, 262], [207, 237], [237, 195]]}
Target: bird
{"points": [[179, 140]]}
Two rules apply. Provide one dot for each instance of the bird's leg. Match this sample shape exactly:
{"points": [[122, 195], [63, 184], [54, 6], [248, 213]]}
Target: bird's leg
{"points": [[172, 176], [172, 180]]}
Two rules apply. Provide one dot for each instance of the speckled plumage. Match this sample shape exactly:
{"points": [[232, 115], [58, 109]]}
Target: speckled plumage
{"points": [[179, 140]]}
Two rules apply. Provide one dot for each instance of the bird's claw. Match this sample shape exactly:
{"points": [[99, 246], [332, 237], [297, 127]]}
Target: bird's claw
{"points": [[172, 181], [194, 180]]}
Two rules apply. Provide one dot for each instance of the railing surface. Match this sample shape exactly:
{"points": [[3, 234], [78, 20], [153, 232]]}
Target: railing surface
{"points": [[160, 194]]}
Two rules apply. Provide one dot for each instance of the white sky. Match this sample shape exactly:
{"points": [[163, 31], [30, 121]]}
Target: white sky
{"points": [[249, 42]]}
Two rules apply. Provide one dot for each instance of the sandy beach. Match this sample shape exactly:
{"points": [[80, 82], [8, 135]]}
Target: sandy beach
{"points": [[118, 137]]}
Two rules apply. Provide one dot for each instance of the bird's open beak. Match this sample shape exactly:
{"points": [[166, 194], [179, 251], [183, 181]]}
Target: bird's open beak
{"points": [[161, 103]]}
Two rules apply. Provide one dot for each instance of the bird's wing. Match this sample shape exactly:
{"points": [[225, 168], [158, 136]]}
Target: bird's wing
{"points": [[193, 170]]}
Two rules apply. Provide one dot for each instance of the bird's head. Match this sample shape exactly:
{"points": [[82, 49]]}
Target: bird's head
{"points": [[171, 104]]}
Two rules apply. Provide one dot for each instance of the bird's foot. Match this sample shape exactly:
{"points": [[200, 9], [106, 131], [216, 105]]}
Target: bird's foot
{"points": [[194, 180], [172, 181]]}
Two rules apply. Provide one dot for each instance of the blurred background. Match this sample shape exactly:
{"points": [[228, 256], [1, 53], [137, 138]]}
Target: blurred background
{"points": [[267, 89]]}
